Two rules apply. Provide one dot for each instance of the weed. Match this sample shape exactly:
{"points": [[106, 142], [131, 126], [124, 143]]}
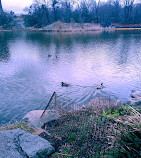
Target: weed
{"points": [[72, 138]]}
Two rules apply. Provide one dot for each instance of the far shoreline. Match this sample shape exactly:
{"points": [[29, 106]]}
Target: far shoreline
{"points": [[61, 27], [70, 31]]}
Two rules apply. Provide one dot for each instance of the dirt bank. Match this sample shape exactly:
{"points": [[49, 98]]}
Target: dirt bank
{"points": [[65, 27]]}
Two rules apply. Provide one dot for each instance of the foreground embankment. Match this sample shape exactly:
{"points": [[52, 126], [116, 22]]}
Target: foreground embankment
{"points": [[115, 132], [105, 128]]}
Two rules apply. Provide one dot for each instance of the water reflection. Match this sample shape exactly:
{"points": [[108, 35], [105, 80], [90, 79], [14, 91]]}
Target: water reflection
{"points": [[30, 76], [4, 48]]}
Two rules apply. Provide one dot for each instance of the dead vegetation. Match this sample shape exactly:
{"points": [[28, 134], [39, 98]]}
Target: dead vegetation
{"points": [[80, 133], [96, 131], [21, 125], [73, 27]]}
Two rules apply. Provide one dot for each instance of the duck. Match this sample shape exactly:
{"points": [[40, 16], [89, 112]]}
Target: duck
{"points": [[57, 57], [49, 55], [100, 86], [63, 84]]}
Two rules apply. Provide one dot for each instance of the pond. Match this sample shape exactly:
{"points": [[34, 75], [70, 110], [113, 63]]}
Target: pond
{"points": [[33, 65]]}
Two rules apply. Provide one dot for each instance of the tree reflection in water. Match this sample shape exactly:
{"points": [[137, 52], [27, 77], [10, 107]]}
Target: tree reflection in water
{"points": [[4, 49]]}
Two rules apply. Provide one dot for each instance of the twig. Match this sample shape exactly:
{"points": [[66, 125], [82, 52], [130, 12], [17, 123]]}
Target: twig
{"points": [[65, 154], [49, 103]]}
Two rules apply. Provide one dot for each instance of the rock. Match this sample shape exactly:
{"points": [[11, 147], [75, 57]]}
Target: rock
{"points": [[8, 149], [55, 141], [136, 98], [20, 144], [34, 117], [134, 102], [136, 94]]}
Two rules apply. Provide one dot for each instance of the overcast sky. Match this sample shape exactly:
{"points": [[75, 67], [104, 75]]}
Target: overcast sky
{"points": [[18, 5]]}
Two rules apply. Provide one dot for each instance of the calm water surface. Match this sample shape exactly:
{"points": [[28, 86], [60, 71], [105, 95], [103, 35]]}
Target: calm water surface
{"points": [[28, 77]]}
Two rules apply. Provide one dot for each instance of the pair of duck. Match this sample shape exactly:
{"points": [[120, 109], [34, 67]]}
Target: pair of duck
{"points": [[100, 86], [63, 84]]}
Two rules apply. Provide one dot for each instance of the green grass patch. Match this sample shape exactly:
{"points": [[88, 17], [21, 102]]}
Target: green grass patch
{"points": [[117, 111]]}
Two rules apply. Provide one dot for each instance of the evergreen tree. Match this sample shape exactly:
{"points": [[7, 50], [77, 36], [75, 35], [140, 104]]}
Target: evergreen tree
{"points": [[0, 6]]}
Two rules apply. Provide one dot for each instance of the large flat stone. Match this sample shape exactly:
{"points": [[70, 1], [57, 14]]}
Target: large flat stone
{"points": [[20, 144], [8, 149]]}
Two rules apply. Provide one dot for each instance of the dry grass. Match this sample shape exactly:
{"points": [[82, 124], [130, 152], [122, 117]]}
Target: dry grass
{"points": [[101, 103], [18, 125], [80, 133], [86, 133], [133, 119], [127, 141], [73, 27]]}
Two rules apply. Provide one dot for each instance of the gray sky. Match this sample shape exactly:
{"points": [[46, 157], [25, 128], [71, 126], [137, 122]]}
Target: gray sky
{"points": [[18, 5]]}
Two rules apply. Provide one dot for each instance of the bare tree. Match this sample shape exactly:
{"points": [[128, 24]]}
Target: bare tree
{"points": [[129, 2], [128, 8], [54, 3], [51, 3], [44, 12]]}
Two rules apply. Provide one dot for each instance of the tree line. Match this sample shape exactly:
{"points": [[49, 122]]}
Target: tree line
{"points": [[6, 19], [45, 12]]}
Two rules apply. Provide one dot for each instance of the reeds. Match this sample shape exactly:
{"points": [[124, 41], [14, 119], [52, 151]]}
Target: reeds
{"points": [[127, 140]]}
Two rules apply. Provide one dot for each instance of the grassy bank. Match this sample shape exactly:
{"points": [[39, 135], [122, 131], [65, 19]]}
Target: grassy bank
{"points": [[114, 133], [111, 132]]}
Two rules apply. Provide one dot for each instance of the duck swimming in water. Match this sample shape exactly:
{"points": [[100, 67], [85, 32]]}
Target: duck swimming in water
{"points": [[63, 84], [49, 55], [100, 86]]}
